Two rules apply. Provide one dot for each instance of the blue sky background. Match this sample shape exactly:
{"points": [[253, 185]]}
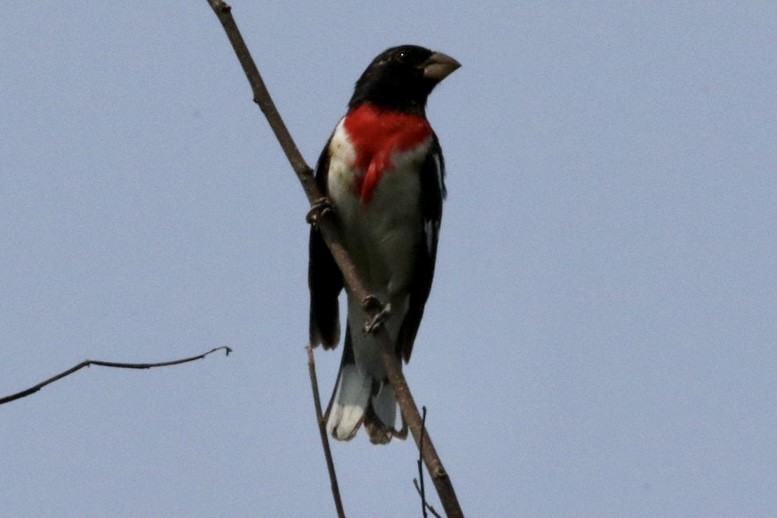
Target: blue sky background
{"points": [[600, 339]]}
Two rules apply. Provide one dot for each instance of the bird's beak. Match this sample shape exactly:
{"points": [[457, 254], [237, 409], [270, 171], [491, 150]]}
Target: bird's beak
{"points": [[439, 66]]}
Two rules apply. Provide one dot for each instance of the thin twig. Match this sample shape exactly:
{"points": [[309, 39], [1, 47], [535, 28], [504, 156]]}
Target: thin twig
{"points": [[329, 231], [100, 363], [440, 479], [420, 487], [330, 465], [422, 490], [428, 507]]}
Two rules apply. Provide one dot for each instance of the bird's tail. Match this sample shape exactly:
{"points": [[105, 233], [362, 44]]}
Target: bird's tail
{"points": [[360, 398]]}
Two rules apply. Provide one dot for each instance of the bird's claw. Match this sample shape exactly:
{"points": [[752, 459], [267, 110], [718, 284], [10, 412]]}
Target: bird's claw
{"points": [[318, 209], [371, 303]]}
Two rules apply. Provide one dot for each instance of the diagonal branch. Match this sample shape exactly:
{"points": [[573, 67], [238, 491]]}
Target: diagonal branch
{"points": [[304, 173], [332, 238], [100, 363]]}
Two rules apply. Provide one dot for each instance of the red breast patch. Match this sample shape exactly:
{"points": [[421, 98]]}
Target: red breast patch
{"points": [[377, 133]]}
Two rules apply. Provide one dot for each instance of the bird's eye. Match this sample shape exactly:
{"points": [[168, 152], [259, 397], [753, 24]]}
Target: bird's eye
{"points": [[403, 56]]}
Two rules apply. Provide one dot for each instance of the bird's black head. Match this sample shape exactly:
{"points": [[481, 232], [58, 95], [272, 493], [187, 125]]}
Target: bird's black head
{"points": [[402, 78]]}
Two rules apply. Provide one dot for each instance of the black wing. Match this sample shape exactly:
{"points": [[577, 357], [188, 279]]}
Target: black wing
{"points": [[432, 195], [324, 278]]}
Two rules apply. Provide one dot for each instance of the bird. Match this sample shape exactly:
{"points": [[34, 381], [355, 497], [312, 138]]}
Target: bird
{"points": [[383, 174]]}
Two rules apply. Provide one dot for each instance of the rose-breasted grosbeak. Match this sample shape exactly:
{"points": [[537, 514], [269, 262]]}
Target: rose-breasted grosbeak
{"points": [[383, 171]]}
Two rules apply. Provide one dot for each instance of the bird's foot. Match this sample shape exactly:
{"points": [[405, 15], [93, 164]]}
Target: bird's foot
{"points": [[318, 209], [371, 303]]}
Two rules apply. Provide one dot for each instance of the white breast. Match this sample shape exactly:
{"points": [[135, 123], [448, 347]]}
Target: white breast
{"points": [[381, 234]]}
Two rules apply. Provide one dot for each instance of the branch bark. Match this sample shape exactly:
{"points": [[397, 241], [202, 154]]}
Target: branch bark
{"points": [[117, 365], [331, 235]]}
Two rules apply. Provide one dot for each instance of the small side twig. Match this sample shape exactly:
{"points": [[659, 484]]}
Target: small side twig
{"points": [[117, 365], [420, 486], [330, 465], [421, 462], [428, 507]]}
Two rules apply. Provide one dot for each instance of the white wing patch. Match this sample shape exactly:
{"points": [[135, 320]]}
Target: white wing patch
{"points": [[432, 226], [430, 230], [438, 172]]}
